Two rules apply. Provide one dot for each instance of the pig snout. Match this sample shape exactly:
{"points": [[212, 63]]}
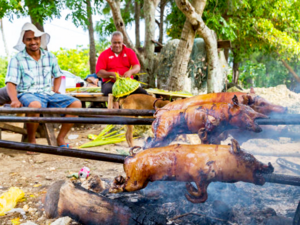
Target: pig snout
{"points": [[263, 169], [266, 169]]}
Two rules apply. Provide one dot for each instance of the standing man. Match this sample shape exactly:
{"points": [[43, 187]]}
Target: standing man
{"points": [[117, 58], [28, 80]]}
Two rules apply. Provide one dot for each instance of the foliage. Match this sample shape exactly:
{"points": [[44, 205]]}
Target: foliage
{"points": [[106, 26], [3, 69], [264, 70], [74, 61]]}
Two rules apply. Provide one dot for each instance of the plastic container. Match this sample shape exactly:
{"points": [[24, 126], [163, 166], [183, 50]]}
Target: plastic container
{"points": [[62, 88]]}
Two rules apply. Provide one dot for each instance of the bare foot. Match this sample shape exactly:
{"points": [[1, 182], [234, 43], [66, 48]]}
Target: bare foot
{"points": [[32, 153]]}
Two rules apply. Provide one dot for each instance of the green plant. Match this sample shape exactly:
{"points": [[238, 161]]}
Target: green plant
{"points": [[3, 70], [74, 60]]}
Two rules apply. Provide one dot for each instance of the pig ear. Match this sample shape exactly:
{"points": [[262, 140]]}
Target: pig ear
{"points": [[245, 100], [235, 100], [252, 90], [235, 147]]}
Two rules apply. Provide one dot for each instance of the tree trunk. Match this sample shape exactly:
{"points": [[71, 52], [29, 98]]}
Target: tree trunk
{"points": [[92, 40], [235, 72], [215, 80], [161, 20], [149, 11], [38, 25], [137, 15], [290, 69], [3, 38], [179, 67]]}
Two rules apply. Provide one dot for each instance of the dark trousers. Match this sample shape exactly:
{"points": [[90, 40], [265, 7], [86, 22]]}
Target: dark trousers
{"points": [[106, 89]]}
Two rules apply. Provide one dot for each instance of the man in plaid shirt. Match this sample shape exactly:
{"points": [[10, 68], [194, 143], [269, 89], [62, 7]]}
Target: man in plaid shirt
{"points": [[29, 80]]}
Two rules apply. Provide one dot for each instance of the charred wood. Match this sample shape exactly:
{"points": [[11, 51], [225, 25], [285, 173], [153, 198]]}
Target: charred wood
{"points": [[88, 207]]}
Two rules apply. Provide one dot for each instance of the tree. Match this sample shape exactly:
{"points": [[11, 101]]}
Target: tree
{"points": [[82, 16], [183, 52], [214, 83]]}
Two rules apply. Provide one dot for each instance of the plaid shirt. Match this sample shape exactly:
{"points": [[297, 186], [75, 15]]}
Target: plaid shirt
{"points": [[32, 76]]}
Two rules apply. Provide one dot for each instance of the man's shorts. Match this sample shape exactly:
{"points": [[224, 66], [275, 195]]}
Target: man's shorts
{"points": [[47, 101]]}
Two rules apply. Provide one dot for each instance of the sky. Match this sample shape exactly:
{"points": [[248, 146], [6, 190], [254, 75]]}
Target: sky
{"points": [[64, 34]]}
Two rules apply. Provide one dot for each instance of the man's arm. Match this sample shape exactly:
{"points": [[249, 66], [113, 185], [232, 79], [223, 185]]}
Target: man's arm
{"points": [[56, 84], [105, 74], [135, 69], [13, 95]]}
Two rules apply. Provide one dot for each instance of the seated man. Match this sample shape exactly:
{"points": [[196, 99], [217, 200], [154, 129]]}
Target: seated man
{"points": [[117, 58], [28, 80]]}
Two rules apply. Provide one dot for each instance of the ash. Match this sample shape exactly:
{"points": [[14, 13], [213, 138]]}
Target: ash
{"points": [[239, 203]]}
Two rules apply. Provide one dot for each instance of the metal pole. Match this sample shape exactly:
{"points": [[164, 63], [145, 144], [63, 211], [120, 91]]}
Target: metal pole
{"points": [[77, 153], [284, 121], [282, 179], [112, 120], [120, 112]]}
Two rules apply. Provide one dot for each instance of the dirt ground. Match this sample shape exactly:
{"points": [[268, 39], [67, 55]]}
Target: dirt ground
{"points": [[35, 173]]}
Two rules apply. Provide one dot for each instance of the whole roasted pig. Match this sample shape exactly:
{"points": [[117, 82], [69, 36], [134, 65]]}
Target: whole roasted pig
{"points": [[256, 102], [201, 164], [209, 121]]}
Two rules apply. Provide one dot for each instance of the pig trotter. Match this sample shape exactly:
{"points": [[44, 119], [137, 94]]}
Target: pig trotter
{"points": [[131, 150], [192, 190], [195, 196], [202, 133], [117, 185]]}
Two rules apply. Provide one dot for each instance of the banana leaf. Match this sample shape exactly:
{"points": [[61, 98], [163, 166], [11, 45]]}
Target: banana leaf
{"points": [[124, 86]]}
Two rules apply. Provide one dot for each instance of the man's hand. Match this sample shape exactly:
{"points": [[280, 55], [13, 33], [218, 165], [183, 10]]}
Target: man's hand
{"points": [[57, 92], [16, 104], [127, 74]]}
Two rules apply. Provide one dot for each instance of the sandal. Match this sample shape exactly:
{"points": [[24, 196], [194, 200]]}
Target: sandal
{"points": [[65, 146]]}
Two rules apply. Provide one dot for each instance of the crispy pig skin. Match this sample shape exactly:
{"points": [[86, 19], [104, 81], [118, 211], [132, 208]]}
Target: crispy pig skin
{"points": [[208, 120], [201, 164], [256, 102]]}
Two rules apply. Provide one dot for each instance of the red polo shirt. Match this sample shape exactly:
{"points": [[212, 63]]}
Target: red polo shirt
{"points": [[111, 63]]}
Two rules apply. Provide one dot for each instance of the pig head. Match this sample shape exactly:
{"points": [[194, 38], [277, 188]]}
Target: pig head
{"points": [[261, 105], [242, 116]]}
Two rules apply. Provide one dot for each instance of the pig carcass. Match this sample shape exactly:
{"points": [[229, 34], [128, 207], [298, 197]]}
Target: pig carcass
{"points": [[256, 102], [209, 121], [201, 164]]}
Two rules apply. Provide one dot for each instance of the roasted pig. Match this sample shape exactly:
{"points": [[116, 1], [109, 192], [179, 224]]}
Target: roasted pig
{"points": [[201, 164], [256, 102], [209, 121]]}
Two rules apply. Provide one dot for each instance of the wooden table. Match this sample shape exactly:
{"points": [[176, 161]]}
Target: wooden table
{"points": [[93, 97], [168, 95]]}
